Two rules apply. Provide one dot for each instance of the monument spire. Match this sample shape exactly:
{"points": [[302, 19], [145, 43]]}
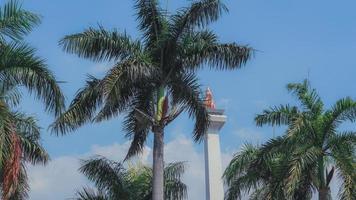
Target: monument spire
{"points": [[213, 168]]}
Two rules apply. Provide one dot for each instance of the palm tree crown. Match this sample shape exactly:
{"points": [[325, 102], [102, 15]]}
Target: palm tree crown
{"points": [[163, 63], [307, 156], [113, 181]]}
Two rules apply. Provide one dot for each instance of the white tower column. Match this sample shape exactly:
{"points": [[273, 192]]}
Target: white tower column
{"points": [[213, 168]]}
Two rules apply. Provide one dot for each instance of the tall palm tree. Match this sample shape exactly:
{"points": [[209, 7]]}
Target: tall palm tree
{"points": [[113, 181], [313, 148], [154, 78], [19, 67]]}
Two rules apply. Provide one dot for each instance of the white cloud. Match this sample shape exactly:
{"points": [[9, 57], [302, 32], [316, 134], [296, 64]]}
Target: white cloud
{"points": [[60, 179], [182, 149]]}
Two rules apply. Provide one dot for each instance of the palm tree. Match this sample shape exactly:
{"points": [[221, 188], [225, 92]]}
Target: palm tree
{"points": [[19, 67], [260, 175], [312, 150], [20, 143], [113, 181], [154, 78]]}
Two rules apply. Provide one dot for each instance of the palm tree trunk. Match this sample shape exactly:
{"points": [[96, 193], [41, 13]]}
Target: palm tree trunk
{"points": [[324, 194], [158, 164], [323, 188]]}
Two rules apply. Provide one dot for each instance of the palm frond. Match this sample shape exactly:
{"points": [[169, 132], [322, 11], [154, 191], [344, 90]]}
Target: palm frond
{"points": [[22, 189], [16, 22], [26, 125], [301, 160], [200, 48], [342, 149], [151, 21], [301, 129], [33, 151], [82, 108], [139, 120], [10, 94], [12, 167], [120, 84], [281, 115], [343, 110], [19, 66], [186, 91], [274, 146], [6, 131], [139, 178], [101, 45], [29, 134], [307, 96], [174, 171], [242, 185], [137, 130], [174, 189], [240, 162], [347, 139], [107, 175], [198, 14]]}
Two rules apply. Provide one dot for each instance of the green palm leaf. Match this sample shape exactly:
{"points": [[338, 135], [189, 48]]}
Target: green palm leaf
{"points": [[16, 22], [19, 66], [99, 44]]}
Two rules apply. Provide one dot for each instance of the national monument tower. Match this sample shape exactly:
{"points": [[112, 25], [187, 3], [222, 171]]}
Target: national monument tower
{"points": [[213, 168]]}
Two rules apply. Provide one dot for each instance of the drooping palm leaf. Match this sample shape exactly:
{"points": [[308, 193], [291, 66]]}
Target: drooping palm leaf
{"points": [[99, 44], [21, 67], [107, 175]]}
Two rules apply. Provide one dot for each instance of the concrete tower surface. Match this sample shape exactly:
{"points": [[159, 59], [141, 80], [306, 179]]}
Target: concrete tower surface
{"points": [[213, 168]]}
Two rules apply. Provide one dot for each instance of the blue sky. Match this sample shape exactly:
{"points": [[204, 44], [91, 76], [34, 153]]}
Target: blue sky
{"points": [[295, 40]]}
